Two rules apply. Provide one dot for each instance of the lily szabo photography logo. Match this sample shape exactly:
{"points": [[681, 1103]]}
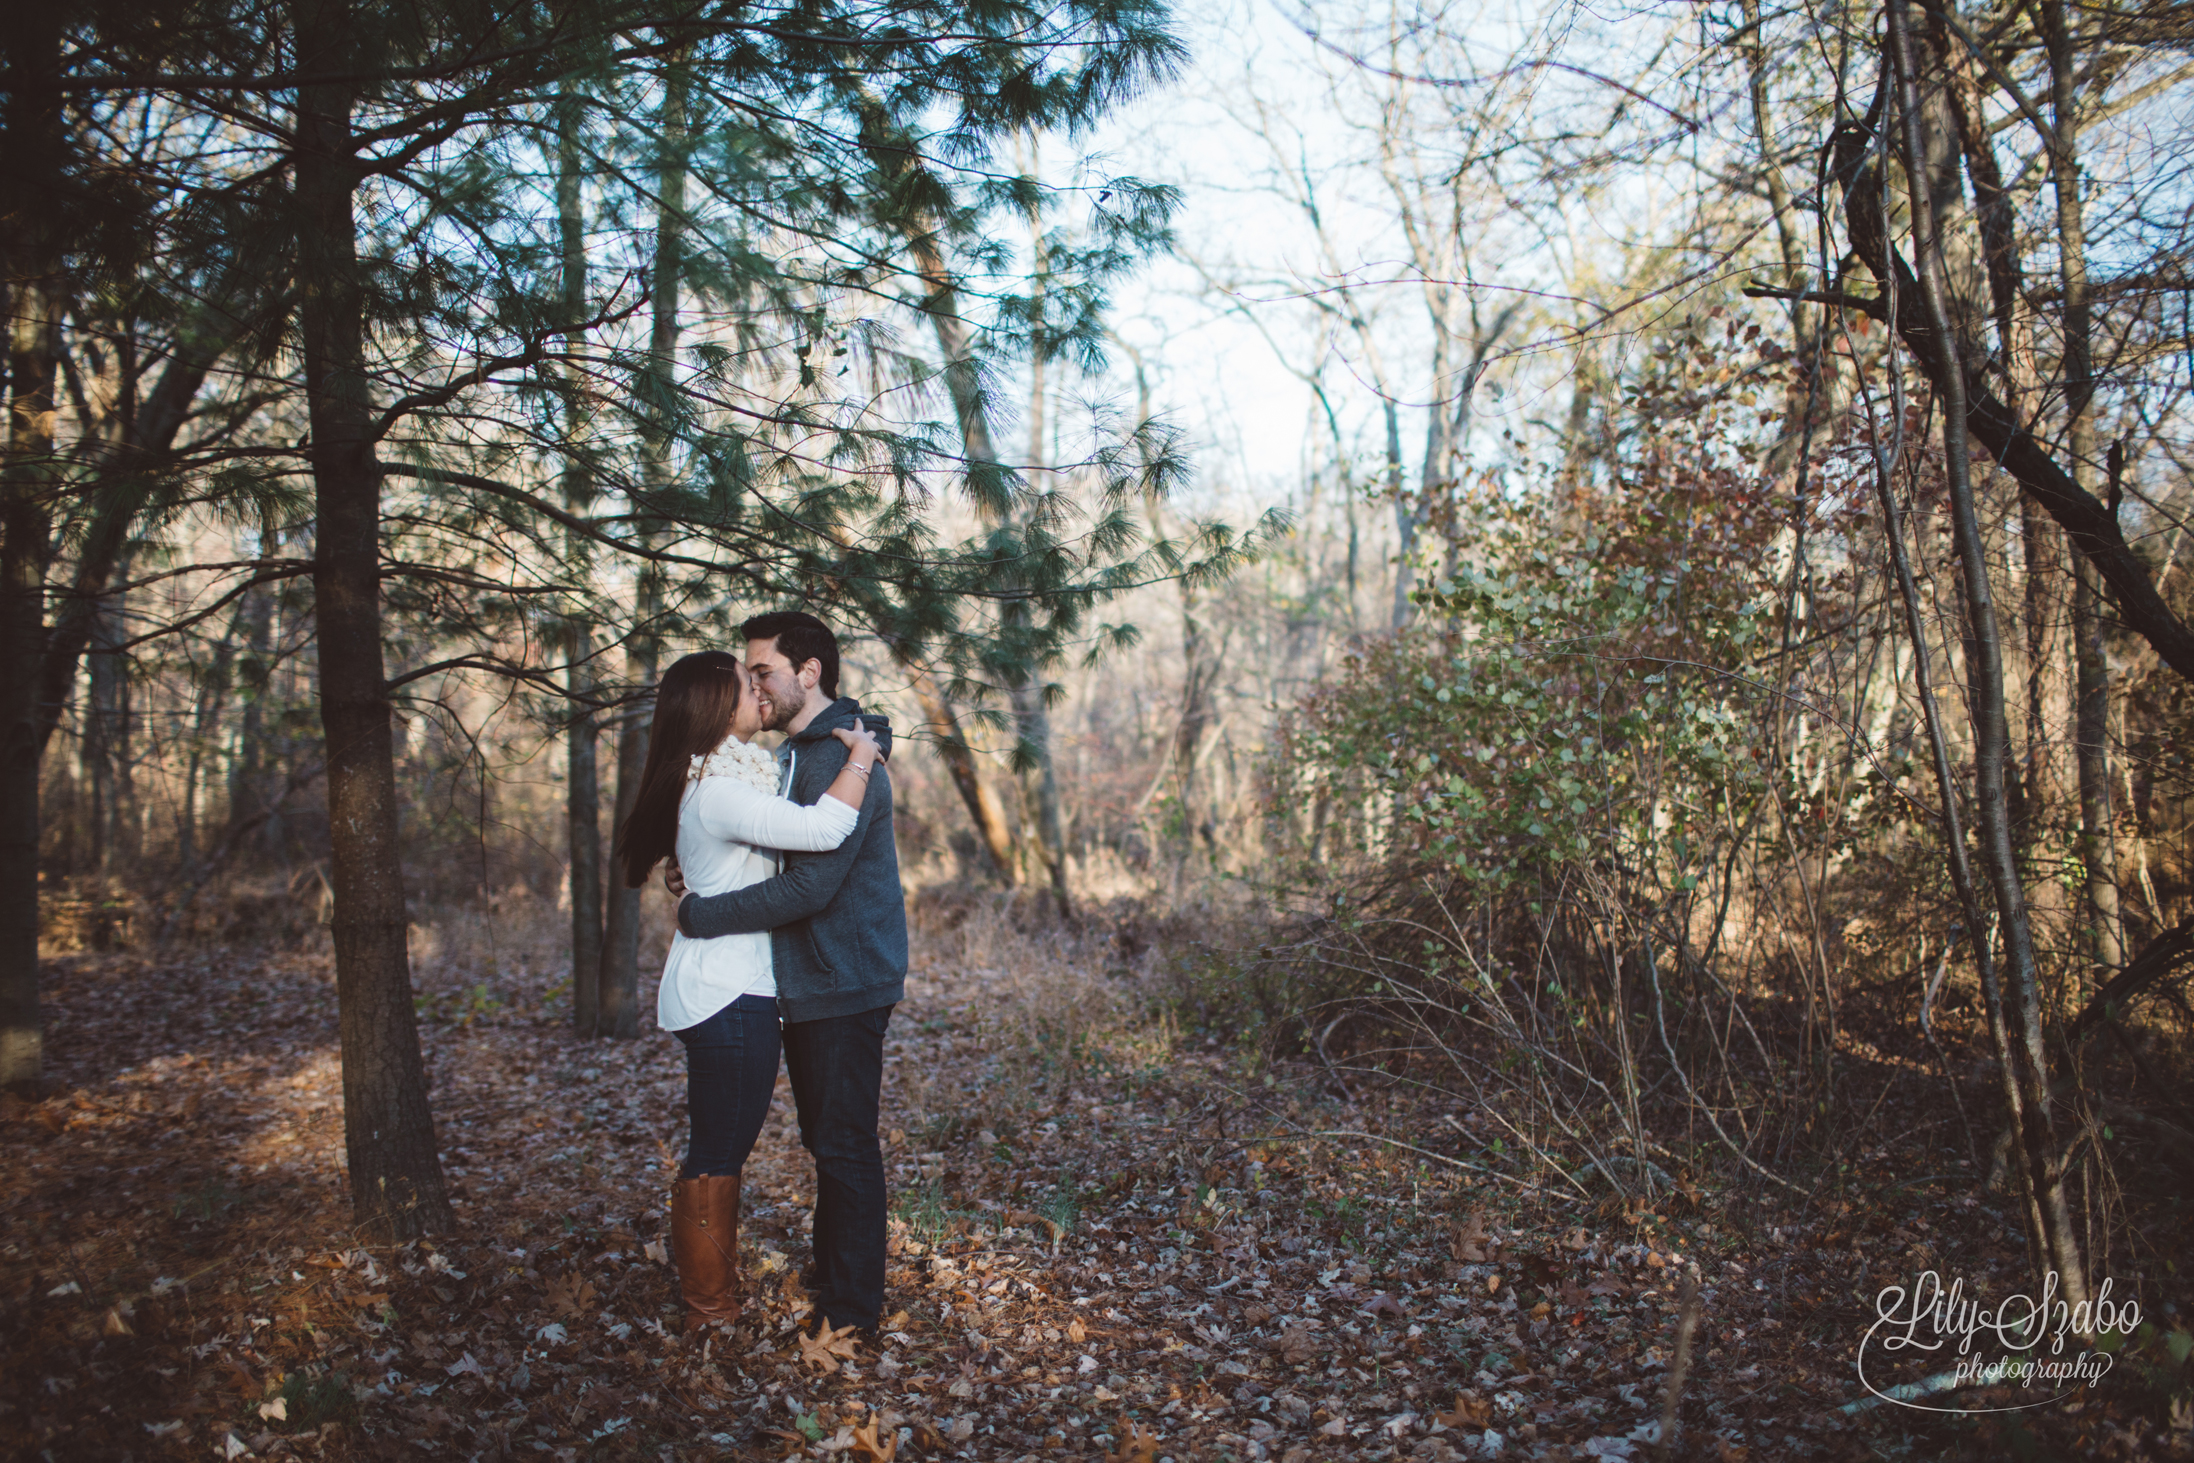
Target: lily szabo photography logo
{"points": [[1959, 1342]]}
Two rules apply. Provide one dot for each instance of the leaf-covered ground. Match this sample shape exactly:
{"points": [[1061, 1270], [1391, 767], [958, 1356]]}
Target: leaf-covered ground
{"points": [[1106, 1244]]}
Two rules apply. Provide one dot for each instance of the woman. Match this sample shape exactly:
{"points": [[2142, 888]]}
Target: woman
{"points": [[709, 796]]}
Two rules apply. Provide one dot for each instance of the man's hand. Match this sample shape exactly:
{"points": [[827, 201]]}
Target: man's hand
{"points": [[673, 879]]}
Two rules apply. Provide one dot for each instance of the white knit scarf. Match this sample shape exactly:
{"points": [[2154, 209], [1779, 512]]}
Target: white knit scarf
{"points": [[745, 761]]}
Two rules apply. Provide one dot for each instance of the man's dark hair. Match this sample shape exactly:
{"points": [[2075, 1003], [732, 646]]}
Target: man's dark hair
{"points": [[800, 638]]}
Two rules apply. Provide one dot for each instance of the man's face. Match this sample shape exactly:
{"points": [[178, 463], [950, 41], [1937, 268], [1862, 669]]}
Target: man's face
{"points": [[777, 682]]}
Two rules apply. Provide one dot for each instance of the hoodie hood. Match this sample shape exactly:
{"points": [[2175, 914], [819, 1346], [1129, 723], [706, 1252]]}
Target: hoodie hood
{"points": [[844, 712]]}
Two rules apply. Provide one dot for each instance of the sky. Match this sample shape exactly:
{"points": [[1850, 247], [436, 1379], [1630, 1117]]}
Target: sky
{"points": [[1210, 349]]}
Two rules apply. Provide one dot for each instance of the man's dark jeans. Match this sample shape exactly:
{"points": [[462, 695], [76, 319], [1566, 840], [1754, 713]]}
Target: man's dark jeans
{"points": [[837, 1070], [731, 1071]]}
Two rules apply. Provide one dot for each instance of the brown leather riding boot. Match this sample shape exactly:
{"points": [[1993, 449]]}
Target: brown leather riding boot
{"points": [[704, 1244]]}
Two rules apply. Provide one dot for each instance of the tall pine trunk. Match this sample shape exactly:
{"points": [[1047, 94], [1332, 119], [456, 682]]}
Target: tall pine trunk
{"points": [[249, 794], [984, 809], [1031, 718], [1033, 721], [950, 739], [583, 826], [618, 1010], [396, 1182], [582, 775], [620, 986], [30, 251]]}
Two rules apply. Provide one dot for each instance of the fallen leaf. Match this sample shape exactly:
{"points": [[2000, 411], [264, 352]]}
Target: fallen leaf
{"points": [[1136, 1446], [275, 1411], [569, 1296], [826, 1348], [1470, 1410], [1383, 1304], [1076, 1331], [929, 1440], [1029, 1219], [1471, 1240], [879, 1449], [655, 1251]]}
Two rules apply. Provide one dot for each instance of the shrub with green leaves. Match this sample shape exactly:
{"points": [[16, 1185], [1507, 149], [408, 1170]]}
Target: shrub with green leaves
{"points": [[1554, 711]]}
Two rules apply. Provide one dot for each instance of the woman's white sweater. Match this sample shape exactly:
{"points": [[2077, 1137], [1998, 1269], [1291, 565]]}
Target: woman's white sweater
{"points": [[728, 833]]}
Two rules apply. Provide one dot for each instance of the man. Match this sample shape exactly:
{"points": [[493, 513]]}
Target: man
{"points": [[838, 934]]}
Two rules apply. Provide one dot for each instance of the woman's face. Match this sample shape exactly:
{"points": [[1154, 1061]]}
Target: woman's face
{"points": [[746, 720]]}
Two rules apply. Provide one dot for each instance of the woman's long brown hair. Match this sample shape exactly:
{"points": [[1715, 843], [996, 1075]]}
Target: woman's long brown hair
{"points": [[694, 703]]}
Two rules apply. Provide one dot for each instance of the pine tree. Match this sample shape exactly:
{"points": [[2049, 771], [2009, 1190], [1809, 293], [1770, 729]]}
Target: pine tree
{"points": [[440, 354]]}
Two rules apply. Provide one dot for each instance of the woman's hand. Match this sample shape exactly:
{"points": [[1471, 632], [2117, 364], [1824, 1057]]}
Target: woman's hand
{"points": [[856, 737], [673, 879]]}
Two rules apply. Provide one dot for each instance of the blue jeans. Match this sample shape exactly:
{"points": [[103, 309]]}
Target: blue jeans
{"points": [[837, 1070], [731, 1069]]}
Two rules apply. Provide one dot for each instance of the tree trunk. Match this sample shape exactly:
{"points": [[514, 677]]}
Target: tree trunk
{"points": [[618, 1009], [991, 824], [30, 254], [1033, 721], [582, 776], [2036, 784], [2091, 666], [1405, 521], [620, 984], [1031, 717], [1198, 671], [249, 795], [107, 743], [2025, 1059], [2091, 749], [205, 737], [583, 823], [395, 1173], [951, 742]]}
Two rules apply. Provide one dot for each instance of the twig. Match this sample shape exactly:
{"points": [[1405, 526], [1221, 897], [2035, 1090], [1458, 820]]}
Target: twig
{"points": [[1582, 1192], [1653, 969], [1410, 1147], [1685, 1325], [1927, 1029]]}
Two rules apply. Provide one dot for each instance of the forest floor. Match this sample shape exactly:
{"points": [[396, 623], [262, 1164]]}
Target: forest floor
{"points": [[1110, 1241]]}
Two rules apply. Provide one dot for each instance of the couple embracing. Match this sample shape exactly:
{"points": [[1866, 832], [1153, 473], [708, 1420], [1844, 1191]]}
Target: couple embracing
{"points": [[792, 940]]}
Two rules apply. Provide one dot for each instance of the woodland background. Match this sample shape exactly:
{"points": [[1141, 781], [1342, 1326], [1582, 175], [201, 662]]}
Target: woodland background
{"points": [[1617, 572]]}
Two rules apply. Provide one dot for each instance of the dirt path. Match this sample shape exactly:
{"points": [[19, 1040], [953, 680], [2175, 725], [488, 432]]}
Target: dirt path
{"points": [[1104, 1246]]}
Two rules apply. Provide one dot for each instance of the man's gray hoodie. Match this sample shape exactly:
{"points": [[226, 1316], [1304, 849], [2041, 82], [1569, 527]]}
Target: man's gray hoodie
{"points": [[837, 920]]}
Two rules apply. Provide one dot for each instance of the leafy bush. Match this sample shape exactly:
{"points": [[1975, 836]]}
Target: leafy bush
{"points": [[1518, 817]]}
